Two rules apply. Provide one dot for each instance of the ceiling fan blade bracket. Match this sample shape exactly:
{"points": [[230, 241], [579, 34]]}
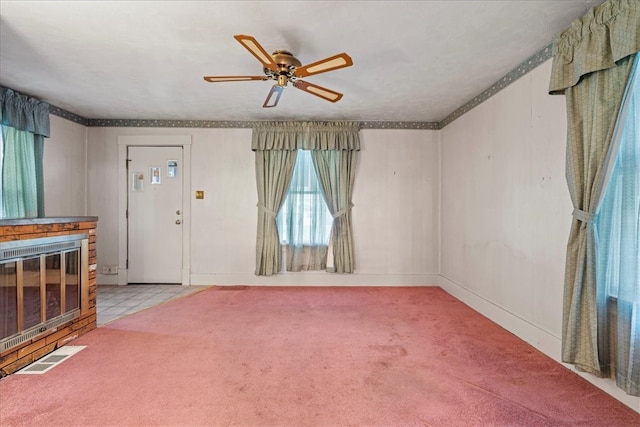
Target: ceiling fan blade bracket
{"points": [[276, 91]]}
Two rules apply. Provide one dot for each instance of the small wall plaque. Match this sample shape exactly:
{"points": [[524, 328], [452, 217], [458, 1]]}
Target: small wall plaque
{"points": [[137, 181], [155, 175], [172, 168]]}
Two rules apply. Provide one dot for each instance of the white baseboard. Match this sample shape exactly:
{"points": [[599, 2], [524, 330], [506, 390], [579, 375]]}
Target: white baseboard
{"points": [[309, 278], [107, 279], [542, 340]]}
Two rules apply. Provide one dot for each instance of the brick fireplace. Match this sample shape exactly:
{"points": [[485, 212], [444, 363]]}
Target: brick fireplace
{"points": [[47, 286]]}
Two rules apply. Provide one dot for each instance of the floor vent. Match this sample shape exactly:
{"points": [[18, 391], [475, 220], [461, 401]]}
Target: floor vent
{"points": [[51, 360]]}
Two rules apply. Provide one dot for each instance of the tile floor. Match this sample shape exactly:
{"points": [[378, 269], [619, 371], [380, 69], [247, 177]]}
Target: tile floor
{"points": [[116, 301]]}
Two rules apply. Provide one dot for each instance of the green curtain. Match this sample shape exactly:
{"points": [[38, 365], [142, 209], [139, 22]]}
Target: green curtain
{"points": [[274, 169], [24, 122], [276, 145], [597, 41], [591, 67], [592, 109], [19, 174], [336, 172]]}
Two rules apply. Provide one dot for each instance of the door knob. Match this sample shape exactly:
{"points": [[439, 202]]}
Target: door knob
{"points": [[178, 222]]}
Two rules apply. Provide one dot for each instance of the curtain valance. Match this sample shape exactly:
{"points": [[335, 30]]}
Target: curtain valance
{"points": [[306, 136], [604, 35], [23, 112]]}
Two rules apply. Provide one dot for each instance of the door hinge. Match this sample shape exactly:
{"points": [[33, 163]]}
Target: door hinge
{"points": [[126, 214], [127, 264]]}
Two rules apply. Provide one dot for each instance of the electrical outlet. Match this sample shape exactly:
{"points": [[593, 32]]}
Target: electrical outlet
{"points": [[109, 269]]}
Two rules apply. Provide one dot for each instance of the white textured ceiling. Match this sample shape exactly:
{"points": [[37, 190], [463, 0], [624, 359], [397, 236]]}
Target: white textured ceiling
{"points": [[413, 60]]}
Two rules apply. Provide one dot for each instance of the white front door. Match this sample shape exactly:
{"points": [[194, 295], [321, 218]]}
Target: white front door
{"points": [[154, 181]]}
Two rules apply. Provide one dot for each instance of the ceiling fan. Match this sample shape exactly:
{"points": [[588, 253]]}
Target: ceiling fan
{"points": [[285, 68]]}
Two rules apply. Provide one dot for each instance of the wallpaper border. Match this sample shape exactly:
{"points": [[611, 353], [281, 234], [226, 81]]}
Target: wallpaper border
{"points": [[57, 111], [529, 64]]}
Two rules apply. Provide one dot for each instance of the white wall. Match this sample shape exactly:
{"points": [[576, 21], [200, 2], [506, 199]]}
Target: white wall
{"points": [[65, 169], [395, 215], [396, 197], [506, 213]]}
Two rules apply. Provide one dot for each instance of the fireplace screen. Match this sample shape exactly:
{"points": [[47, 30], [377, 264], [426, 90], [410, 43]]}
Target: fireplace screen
{"points": [[40, 286]]}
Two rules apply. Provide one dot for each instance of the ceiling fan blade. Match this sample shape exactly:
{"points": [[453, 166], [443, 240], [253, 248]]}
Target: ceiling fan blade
{"points": [[214, 79], [316, 90], [252, 45], [335, 62], [276, 91]]}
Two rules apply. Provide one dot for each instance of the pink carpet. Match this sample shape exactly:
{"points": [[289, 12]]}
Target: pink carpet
{"points": [[300, 356]]}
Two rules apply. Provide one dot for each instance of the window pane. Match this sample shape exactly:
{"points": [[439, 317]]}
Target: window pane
{"points": [[31, 290], [8, 299], [53, 284], [304, 218], [617, 223], [72, 280]]}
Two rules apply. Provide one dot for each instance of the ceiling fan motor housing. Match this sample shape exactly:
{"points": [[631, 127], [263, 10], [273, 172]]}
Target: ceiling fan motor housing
{"points": [[287, 64]]}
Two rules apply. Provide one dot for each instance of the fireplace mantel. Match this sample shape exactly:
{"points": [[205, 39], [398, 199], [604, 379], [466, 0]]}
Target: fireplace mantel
{"points": [[15, 232], [51, 220]]}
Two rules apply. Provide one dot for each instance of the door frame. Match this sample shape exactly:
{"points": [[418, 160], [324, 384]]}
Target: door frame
{"points": [[124, 142]]}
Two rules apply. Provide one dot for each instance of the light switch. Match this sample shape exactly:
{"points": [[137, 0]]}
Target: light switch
{"points": [[199, 194]]}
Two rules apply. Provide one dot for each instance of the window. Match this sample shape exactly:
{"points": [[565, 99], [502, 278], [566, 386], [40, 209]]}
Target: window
{"points": [[618, 220], [617, 242], [304, 219]]}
